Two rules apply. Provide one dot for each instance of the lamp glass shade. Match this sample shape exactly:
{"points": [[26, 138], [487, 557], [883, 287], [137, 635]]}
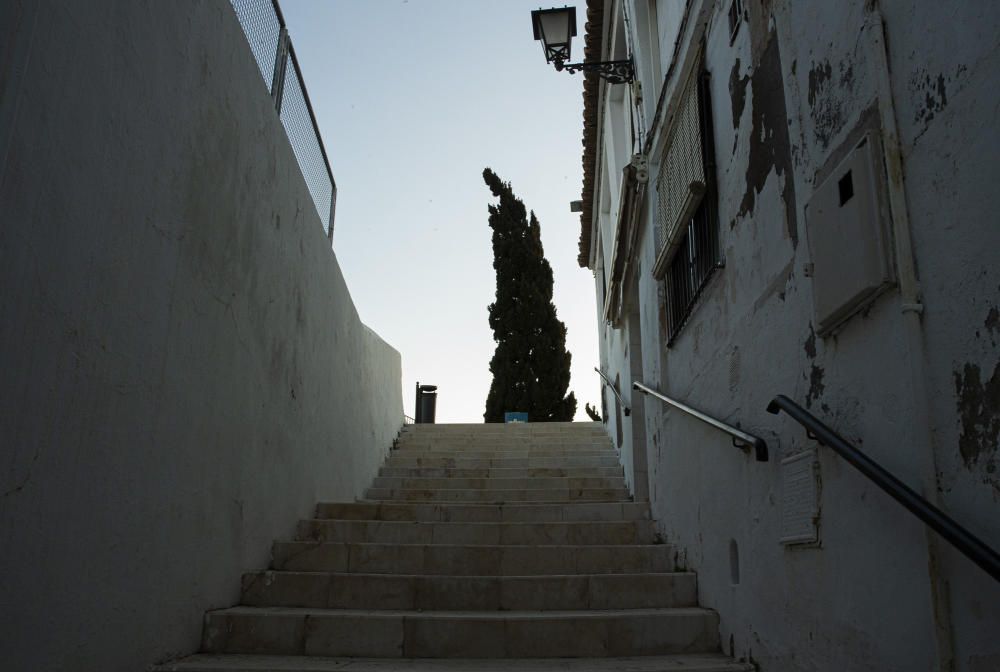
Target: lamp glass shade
{"points": [[555, 28]]}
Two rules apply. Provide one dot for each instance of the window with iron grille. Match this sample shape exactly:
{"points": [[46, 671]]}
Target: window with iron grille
{"points": [[692, 266], [688, 223], [735, 18]]}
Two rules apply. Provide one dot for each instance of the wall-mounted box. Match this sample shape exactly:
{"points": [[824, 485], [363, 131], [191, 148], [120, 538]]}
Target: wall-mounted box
{"points": [[847, 226]]}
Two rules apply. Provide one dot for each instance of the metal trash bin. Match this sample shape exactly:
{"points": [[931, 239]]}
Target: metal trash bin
{"points": [[426, 404]]}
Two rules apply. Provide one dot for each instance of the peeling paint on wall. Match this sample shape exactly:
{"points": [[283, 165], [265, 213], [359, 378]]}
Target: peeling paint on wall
{"points": [[810, 344], [932, 92], [769, 145], [979, 415], [816, 385], [992, 324], [738, 97], [827, 102], [806, 81], [929, 94]]}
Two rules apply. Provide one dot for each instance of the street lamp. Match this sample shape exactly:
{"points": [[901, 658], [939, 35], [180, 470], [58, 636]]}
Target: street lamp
{"points": [[556, 28]]}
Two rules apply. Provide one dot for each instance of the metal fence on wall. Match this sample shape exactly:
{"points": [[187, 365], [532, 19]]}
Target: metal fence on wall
{"points": [[267, 36]]}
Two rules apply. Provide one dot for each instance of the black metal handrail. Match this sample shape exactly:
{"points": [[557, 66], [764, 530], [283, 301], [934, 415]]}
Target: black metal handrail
{"points": [[959, 537], [607, 381], [740, 438]]}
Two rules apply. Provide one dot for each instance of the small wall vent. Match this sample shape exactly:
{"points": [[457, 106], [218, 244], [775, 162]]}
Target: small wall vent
{"points": [[800, 499]]}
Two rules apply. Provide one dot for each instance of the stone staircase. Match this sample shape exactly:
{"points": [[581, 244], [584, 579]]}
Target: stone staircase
{"points": [[478, 547]]}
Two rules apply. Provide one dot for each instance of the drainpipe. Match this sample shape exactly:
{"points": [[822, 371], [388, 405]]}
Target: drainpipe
{"points": [[912, 308]]}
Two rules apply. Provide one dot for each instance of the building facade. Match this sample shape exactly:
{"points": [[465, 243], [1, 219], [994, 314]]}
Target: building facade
{"points": [[797, 198]]}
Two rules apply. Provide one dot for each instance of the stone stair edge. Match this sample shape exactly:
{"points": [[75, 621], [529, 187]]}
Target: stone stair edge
{"points": [[489, 593], [473, 511], [499, 547], [624, 522], [501, 490], [471, 505], [463, 634], [531, 615], [545, 482], [706, 662], [500, 577]]}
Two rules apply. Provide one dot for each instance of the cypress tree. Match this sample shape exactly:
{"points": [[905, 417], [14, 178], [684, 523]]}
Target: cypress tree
{"points": [[530, 366]]}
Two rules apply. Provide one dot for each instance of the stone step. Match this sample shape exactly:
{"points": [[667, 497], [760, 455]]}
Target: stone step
{"points": [[524, 483], [483, 513], [554, 435], [481, 593], [694, 662], [506, 432], [502, 430], [500, 450], [416, 460], [470, 560], [487, 454], [487, 472], [515, 437], [507, 428], [499, 496], [458, 634], [481, 444], [489, 534], [565, 447]]}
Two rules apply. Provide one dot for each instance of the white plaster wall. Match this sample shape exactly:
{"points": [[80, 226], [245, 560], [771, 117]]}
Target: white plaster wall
{"points": [[947, 102], [184, 372], [864, 599]]}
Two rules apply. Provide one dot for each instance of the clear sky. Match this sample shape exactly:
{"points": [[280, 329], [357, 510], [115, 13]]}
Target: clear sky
{"points": [[413, 99]]}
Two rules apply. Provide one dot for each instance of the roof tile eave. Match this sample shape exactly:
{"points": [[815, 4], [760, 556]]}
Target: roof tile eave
{"points": [[591, 90]]}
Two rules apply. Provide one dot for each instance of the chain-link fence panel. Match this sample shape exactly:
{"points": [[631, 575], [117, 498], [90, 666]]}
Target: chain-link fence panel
{"points": [[297, 118], [262, 27]]}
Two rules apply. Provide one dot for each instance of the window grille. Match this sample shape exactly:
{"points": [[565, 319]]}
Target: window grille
{"points": [[687, 222], [682, 170], [692, 266]]}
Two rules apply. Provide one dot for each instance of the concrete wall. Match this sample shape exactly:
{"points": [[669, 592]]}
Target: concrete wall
{"points": [[918, 394], [184, 372]]}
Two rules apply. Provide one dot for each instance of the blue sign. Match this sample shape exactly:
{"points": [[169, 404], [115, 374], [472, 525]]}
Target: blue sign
{"points": [[514, 416]]}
